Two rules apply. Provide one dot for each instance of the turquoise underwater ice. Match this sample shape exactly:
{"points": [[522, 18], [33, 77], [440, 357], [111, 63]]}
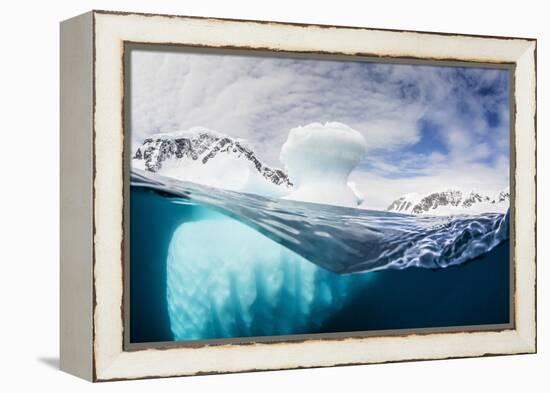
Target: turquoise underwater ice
{"points": [[225, 279]]}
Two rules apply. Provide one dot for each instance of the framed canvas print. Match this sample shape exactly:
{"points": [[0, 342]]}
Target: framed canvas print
{"points": [[245, 195]]}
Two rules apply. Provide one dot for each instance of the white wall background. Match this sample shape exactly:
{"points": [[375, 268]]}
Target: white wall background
{"points": [[29, 195]]}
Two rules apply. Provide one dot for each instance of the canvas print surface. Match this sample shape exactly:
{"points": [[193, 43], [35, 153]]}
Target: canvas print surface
{"points": [[276, 195]]}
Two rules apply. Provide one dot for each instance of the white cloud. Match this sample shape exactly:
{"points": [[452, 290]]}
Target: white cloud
{"points": [[380, 191], [261, 98]]}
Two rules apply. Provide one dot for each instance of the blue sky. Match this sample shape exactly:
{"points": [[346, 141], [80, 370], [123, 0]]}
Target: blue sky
{"points": [[426, 127]]}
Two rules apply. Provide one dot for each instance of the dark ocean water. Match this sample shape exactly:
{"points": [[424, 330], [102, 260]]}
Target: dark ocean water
{"points": [[207, 263]]}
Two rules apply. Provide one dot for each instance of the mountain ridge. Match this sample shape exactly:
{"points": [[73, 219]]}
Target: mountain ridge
{"points": [[451, 201], [202, 145]]}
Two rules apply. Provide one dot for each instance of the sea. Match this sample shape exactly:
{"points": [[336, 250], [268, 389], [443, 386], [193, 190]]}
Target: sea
{"points": [[207, 263]]}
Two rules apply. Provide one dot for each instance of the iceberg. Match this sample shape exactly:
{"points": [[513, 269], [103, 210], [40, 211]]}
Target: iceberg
{"points": [[319, 158], [226, 279]]}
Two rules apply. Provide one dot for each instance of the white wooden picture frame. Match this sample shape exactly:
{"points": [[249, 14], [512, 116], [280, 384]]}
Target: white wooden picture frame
{"points": [[94, 177]]}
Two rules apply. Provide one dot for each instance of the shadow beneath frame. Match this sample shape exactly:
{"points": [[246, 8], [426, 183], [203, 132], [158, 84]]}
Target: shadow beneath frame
{"points": [[50, 361]]}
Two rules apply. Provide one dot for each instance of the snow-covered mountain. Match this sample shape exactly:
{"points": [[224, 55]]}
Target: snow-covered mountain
{"points": [[208, 157], [451, 202], [315, 173]]}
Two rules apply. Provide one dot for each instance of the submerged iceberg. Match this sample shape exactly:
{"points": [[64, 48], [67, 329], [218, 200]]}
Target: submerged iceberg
{"points": [[225, 279], [319, 159]]}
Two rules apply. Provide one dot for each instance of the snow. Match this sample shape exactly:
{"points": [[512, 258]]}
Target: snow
{"points": [[478, 208], [187, 133], [319, 158], [489, 204], [223, 171], [195, 132]]}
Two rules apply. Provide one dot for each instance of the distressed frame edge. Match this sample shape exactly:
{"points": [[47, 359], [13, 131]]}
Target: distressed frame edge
{"points": [[526, 138], [527, 341], [76, 207], [304, 24]]}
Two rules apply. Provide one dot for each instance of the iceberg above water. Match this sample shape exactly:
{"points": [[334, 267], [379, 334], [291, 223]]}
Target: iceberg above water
{"points": [[319, 159]]}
